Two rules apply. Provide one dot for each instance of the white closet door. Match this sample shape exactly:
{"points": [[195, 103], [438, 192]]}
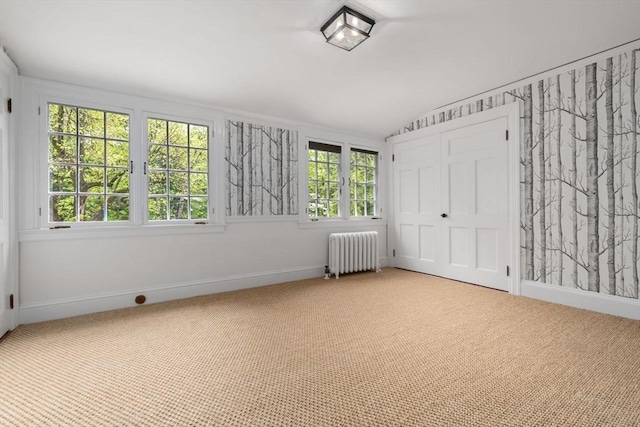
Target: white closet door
{"points": [[474, 200], [417, 205], [450, 204]]}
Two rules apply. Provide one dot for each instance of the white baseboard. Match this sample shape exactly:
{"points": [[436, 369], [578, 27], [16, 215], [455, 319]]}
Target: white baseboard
{"points": [[602, 303], [58, 309]]}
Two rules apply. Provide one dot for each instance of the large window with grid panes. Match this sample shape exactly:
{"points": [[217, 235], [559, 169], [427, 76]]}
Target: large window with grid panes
{"points": [[98, 174], [334, 194]]}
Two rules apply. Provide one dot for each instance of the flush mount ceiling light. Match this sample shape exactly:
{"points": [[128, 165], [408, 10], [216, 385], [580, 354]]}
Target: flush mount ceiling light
{"points": [[347, 28]]}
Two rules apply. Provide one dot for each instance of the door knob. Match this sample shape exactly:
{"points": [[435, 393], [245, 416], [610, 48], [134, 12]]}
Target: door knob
{"points": [[444, 215]]}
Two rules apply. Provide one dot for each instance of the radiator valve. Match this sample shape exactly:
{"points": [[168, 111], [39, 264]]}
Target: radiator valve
{"points": [[327, 272]]}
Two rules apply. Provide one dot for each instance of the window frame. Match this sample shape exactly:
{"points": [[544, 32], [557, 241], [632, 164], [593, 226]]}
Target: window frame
{"points": [[135, 107], [329, 148], [376, 182], [344, 183], [44, 164], [211, 190]]}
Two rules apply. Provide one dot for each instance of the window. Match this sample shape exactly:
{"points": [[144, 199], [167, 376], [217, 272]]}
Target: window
{"points": [[178, 170], [88, 165], [362, 178], [325, 181]]}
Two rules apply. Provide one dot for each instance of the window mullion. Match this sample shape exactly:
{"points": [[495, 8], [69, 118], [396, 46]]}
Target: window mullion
{"points": [[345, 195]]}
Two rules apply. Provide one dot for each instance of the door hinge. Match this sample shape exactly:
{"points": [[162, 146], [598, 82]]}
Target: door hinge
{"points": [[508, 271], [393, 157], [394, 252], [213, 210], [38, 110], [9, 105], [39, 211], [506, 134], [131, 166], [11, 301]]}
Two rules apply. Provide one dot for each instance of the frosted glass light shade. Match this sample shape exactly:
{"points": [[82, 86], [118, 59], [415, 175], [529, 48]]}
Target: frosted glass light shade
{"points": [[347, 28]]}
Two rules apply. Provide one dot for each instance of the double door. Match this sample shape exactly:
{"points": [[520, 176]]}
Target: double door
{"points": [[451, 204]]}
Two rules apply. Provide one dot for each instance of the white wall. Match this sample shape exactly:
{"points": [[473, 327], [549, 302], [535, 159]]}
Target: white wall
{"points": [[70, 272]]}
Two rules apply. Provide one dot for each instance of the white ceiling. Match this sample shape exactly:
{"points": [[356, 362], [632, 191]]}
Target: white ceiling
{"points": [[269, 58]]}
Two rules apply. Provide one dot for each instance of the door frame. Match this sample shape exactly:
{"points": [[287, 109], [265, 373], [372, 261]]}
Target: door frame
{"points": [[509, 111], [11, 139]]}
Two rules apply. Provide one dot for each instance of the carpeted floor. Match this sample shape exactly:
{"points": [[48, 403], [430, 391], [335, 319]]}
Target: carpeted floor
{"points": [[395, 348]]}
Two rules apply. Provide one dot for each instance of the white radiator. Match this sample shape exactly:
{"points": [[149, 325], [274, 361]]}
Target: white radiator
{"points": [[349, 252]]}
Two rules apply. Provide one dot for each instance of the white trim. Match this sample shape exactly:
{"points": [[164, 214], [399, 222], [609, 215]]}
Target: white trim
{"points": [[602, 303], [68, 307], [119, 232], [342, 223]]}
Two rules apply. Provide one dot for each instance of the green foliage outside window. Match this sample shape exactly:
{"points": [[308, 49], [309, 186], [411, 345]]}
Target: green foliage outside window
{"points": [[88, 164], [363, 167], [324, 185], [178, 170]]}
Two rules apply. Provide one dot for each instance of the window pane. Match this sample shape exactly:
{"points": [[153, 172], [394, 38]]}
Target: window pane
{"points": [[177, 158], [198, 184], [117, 208], [117, 180], [62, 178], [157, 131], [370, 175], [198, 136], [62, 149], [177, 133], [117, 153], [334, 157], [62, 208], [322, 172], [157, 208], [157, 157], [91, 180], [117, 126], [63, 118], [333, 173], [178, 183], [333, 209], [198, 160], [91, 122], [178, 207], [91, 208], [199, 208], [91, 151], [157, 183], [371, 192]]}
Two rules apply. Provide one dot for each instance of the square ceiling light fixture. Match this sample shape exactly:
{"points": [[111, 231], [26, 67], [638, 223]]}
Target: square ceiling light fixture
{"points": [[347, 28]]}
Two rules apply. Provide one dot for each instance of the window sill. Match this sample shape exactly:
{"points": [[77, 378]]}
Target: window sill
{"points": [[118, 232], [341, 223]]}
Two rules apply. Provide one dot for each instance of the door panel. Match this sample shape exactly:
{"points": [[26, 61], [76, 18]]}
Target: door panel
{"points": [[476, 204], [417, 202]]}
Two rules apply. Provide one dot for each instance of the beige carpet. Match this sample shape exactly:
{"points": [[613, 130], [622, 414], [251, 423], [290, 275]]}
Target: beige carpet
{"points": [[395, 348]]}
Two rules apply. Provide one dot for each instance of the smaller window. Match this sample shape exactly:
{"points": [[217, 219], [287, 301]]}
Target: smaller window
{"points": [[363, 187], [88, 164], [178, 170], [324, 180]]}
